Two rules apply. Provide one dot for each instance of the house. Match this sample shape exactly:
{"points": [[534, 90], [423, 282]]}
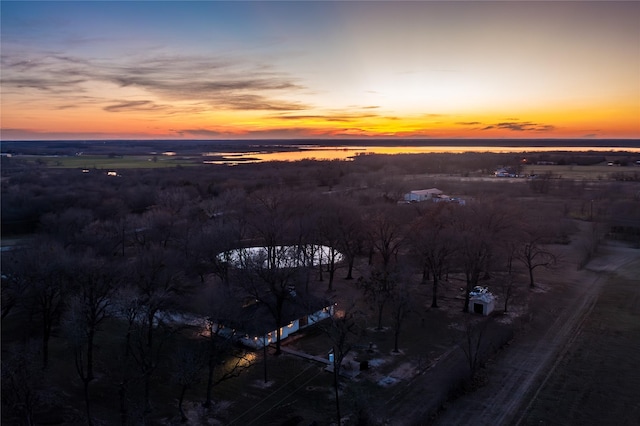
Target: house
{"points": [[447, 199], [254, 326], [504, 172], [481, 301], [422, 195]]}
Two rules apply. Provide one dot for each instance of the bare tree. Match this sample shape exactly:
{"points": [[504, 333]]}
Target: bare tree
{"points": [[434, 242], [505, 281], [44, 270], [351, 234], [378, 288], [533, 255], [342, 329], [473, 343], [158, 283], [148, 348], [401, 307], [186, 366], [94, 285], [14, 286], [267, 276], [480, 227], [385, 234], [223, 361], [24, 385], [128, 305]]}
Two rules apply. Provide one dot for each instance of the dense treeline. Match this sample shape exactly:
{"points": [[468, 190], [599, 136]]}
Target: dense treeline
{"points": [[114, 259]]}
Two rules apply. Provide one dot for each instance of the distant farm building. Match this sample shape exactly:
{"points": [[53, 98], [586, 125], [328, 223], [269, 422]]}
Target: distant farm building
{"points": [[422, 195], [434, 194], [504, 172]]}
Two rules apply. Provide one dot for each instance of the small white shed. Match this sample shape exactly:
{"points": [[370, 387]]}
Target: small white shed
{"points": [[482, 302]]}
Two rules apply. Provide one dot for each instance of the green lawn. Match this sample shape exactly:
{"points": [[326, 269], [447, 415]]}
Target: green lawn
{"points": [[121, 162], [595, 172]]}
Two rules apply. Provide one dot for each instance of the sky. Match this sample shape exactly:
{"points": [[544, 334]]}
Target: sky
{"points": [[339, 69]]}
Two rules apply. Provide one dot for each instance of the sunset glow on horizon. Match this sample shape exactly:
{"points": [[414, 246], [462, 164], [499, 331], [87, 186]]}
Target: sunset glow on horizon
{"points": [[288, 70]]}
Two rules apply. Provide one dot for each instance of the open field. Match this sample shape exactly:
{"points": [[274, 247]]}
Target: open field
{"points": [[576, 362], [596, 381], [593, 172], [105, 162]]}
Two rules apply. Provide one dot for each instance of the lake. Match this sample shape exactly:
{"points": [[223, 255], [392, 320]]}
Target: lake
{"points": [[348, 153]]}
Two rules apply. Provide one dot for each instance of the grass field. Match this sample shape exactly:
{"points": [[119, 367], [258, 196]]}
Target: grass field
{"points": [[120, 162], [597, 380], [595, 172]]}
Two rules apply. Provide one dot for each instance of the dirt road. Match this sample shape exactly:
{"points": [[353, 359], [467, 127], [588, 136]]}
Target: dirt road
{"points": [[557, 318]]}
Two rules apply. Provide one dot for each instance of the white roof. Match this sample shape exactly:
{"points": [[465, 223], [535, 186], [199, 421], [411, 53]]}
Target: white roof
{"points": [[427, 191]]}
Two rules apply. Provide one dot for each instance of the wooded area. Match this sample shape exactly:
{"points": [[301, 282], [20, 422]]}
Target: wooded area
{"points": [[113, 287]]}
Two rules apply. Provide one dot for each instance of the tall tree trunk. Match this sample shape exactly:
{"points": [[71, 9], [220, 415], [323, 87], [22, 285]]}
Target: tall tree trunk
{"points": [[434, 297], [336, 385], [396, 338], [122, 395], [87, 400], [45, 344], [211, 365], [183, 391], [380, 309], [466, 294], [531, 284], [350, 270]]}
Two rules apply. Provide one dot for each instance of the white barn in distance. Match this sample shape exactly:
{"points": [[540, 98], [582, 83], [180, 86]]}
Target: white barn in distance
{"points": [[422, 195]]}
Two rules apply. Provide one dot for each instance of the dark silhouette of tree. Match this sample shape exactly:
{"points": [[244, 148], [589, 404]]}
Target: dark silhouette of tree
{"points": [[342, 328], [378, 288], [44, 270], [480, 226], [533, 255], [187, 363], [402, 304], [474, 342], [339, 228], [94, 284], [434, 243], [158, 284], [349, 228], [14, 285], [268, 278], [66, 226], [270, 274], [147, 349], [223, 361], [385, 235], [25, 387]]}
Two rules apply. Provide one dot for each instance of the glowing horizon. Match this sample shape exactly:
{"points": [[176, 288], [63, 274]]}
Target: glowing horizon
{"points": [[312, 70]]}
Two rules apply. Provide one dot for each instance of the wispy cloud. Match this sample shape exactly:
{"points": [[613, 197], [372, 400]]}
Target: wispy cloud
{"points": [[513, 125], [337, 117], [218, 82], [524, 126], [126, 106]]}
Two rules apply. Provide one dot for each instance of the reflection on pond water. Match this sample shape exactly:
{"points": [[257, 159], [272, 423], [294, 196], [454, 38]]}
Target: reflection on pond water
{"points": [[348, 153], [281, 256]]}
